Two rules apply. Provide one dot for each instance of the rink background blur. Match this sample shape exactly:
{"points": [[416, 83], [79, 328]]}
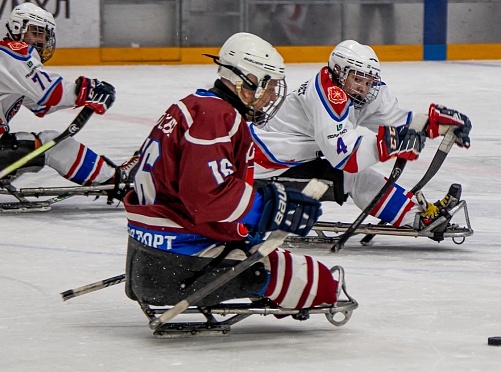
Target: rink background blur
{"points": [[423, 305]]}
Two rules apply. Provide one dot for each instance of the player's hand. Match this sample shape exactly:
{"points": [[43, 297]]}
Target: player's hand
{"points": [[287, 210], [401, 142], [440, 119], [3, 129], [98, 95]]}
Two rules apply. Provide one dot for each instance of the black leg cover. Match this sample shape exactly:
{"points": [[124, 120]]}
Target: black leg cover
{"points": [[159, 278], [297, 177]]}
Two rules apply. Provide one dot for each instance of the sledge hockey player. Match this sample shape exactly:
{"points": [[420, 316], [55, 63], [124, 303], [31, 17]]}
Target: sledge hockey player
{"points": [[316, 135], [30, 42], [194, 212]]}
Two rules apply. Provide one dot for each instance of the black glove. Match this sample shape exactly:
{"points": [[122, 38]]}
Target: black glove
{"points": [[288, 210], [98, 95]]}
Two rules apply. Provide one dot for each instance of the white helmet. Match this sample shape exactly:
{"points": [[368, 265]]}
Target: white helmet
{"points": [[39, 22], [350, 55], [243, 54]]}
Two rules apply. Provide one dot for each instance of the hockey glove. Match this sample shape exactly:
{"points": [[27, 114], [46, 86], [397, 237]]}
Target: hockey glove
{"points": [[98, 95], [3, 129], [401, 142], [287, 210], [440, 118]]}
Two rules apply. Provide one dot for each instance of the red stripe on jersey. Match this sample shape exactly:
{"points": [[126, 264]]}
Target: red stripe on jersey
{"points": [[77, 161], [53, 99], [261, 159], [351, 165], [99, 166], [309, 282]]}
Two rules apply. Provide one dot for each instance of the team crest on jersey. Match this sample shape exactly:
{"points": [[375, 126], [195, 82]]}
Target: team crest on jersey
{"points": [[17, 45], [336, 95]]}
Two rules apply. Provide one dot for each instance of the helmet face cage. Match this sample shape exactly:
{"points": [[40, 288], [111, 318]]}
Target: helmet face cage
{"points": [[43, 39], [351, 90], [35, 26], [262, 116], [350, 56]]}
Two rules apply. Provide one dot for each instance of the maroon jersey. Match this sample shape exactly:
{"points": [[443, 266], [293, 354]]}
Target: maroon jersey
{"points": [[195, 174]]}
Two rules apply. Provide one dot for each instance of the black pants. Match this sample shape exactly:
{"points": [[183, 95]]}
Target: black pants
{"points": [[297, 177], [12, 149]]}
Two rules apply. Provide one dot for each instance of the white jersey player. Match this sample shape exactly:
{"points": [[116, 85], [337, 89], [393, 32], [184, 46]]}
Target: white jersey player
{"points": [[317, 133], [31, 41]]}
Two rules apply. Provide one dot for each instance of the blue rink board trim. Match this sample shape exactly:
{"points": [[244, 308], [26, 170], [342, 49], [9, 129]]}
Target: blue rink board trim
{"points": [[435, 30]]}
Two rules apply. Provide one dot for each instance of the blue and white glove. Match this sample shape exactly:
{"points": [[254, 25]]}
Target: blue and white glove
{"points": [[287, 210]]}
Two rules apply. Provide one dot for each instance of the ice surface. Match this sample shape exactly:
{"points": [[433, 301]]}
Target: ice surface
{"points": [[424, 306]]}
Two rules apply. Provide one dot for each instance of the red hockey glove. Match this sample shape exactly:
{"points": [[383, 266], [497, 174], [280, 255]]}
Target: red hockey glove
{"points": [[3, 129], [98, 95], [401, 142], [440, 118]]}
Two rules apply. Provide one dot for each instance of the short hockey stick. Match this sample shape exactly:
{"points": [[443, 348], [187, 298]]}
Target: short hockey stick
{"points": [[418, 123], [314, 189], [72, 129], [439, 158], [71, 293], [394, 175]]}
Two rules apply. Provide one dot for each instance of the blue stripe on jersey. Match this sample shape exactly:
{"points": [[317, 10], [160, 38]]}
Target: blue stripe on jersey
{"points": [[267, 152], [49, 91], [394, 205], [205, 93], [15, 55], [342, 163], [87, 167], [178, 243], [325, 102], [409, 117]]}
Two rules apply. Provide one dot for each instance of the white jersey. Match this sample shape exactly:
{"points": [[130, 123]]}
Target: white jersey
{"points": [[24, 81], [319, 118]]}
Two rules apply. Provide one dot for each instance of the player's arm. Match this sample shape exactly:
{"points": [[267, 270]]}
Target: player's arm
{"points": [[47, 92]]}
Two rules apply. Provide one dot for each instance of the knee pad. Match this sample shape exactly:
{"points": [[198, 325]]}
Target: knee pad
{"points": [[47, 135], [13, 146]]}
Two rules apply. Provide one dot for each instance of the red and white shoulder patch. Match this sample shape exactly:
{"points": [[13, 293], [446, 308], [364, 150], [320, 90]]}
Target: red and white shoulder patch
{"points": [[336, 95]]}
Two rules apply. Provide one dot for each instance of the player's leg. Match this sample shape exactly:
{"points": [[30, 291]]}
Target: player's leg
{"points": [[298, 281], [14, 146], [80, 164], [156, 277]]}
